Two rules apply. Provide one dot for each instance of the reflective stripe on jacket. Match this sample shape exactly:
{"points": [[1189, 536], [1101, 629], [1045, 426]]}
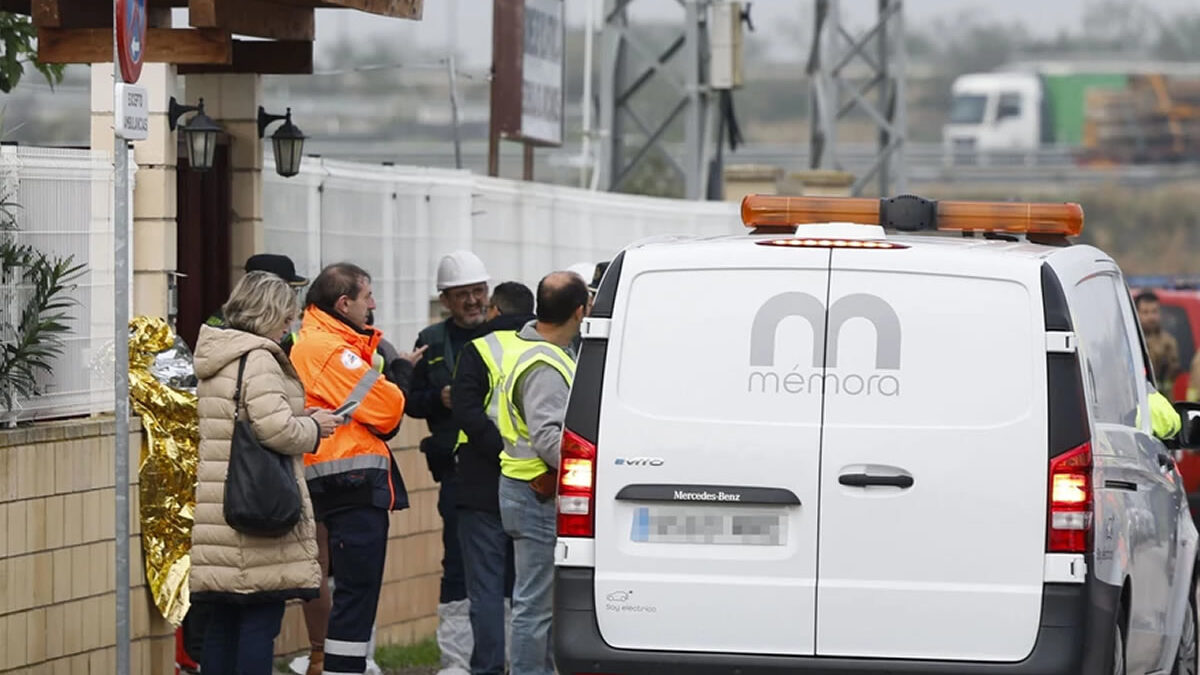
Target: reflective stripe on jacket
{"points": [[354, 466]]}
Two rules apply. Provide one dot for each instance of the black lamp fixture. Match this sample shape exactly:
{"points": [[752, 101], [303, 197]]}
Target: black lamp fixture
{"points": [[200, 133], [288, 141]]}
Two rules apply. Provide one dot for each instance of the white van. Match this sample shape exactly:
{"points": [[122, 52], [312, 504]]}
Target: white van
{"points": [[838, 449]]}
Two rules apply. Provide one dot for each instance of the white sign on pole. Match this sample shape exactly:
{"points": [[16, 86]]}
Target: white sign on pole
{"points": [[132, 116], [542, 72]]}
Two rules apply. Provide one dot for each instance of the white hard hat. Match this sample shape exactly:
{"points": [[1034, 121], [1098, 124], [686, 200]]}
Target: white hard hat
{"points": [[583, 269], [460, 268]]}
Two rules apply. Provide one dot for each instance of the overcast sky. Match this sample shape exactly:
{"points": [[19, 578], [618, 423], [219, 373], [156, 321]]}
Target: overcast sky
{"points": [[473, 33]]}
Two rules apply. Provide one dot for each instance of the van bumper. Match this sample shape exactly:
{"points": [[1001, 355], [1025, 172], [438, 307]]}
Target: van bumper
{"points": [[1075, 638]]}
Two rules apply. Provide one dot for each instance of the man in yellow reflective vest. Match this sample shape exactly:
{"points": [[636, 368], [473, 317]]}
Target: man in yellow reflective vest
{"points": [[476, 397], [1165, 422], [537, 376]]}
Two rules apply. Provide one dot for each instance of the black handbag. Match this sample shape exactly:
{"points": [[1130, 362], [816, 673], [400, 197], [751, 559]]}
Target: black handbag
{"points": [[262, 497]]}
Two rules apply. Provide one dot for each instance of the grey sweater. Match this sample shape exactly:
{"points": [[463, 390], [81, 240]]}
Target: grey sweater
{"points": [[541, 398]]}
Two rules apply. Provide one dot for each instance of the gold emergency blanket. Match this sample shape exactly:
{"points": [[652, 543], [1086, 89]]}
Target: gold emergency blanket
{"points": [[167, 470]]}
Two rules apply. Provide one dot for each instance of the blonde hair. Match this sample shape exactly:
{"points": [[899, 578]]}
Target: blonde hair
{"points": [[260, 302]]}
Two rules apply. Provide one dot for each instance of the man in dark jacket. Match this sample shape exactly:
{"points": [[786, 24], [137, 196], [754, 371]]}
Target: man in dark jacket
{"points": [[487, 550], [282, 267], [462, 281]]}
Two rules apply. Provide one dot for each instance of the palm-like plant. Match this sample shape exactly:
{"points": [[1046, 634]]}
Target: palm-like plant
{"points": [[31, 337]]}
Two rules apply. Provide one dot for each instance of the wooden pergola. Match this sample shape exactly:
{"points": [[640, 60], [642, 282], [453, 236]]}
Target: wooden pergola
{"points": [[80, 31]]}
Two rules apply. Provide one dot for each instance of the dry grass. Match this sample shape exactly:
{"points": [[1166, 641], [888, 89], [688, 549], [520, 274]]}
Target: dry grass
{"points": [[1147, 230]]}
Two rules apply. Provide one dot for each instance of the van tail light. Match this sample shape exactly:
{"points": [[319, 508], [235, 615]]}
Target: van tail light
{"points": [[576, 487], [1071, 501]]}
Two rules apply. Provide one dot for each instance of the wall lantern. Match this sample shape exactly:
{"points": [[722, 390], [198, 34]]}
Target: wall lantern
{"points": [[288, 141], [200, 133]]}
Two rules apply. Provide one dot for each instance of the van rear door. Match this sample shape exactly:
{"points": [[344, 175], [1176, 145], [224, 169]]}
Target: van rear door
{"points": [[934, 457], [708, 450]]}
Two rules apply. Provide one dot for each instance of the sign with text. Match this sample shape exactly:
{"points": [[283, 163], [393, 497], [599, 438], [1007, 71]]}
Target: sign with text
{"points": [[528, 63], [131, 119], [542, 72]]}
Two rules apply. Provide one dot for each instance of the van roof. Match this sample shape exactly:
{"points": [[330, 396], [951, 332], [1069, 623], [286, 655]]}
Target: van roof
{"points": [[955, 246], [988, 82]]}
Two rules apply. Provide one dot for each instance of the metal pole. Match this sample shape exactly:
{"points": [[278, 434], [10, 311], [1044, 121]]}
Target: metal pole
{"points": [[450, 66], [121, 370], [695, 112], [493, 159], [899, 114], [611, 158], [885, 90], [527, 169], [585, 151]]}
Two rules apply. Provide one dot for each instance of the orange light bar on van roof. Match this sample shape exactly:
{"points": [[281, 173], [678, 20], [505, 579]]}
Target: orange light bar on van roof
{"points": [[910, 213]]}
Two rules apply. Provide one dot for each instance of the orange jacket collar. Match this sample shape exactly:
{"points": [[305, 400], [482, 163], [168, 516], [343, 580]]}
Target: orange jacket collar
{"points": [[316, 319]]}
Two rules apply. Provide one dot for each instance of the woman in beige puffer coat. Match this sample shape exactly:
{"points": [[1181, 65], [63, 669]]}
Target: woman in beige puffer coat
{"points": [[244, 579]]}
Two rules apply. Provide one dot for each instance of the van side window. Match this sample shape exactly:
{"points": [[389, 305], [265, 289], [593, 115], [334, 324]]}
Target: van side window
{"points": [[1108, 350], [1137, 345], [1134, 326], [1010, 106]]}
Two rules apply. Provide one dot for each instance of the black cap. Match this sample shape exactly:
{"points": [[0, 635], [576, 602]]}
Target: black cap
{"points": [[601, 268], [279, 265]]}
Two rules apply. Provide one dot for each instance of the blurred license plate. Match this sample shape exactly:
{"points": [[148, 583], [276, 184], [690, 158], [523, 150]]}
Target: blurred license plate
{"points": [[709, 525]]}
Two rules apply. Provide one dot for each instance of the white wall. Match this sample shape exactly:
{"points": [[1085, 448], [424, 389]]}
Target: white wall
{"points": [[397, 222]]}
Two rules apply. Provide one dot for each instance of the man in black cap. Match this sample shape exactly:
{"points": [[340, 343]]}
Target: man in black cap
{"points": [[282, 267], [597, 276]]}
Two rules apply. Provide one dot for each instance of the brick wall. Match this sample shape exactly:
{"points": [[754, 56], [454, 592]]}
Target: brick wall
{"points": [[57, 585], [57, 573]]}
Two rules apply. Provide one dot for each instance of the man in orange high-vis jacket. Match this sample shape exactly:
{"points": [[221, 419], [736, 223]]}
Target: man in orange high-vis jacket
{"points": [[352, 478]]}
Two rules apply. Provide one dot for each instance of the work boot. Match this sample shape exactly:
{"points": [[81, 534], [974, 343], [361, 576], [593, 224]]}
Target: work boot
{"points": [[316, 661], [454, 637]]}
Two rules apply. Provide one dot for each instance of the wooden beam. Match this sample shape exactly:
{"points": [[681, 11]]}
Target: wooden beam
{"points": [[15, 6], [400, 9], [260, 18], [72, 14], [266, 58], [163, 45]]}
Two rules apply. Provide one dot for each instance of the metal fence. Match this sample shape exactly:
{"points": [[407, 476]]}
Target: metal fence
{"points": [[397, 222], [64, 207]]}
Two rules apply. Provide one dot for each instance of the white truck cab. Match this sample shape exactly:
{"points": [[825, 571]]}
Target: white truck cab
{"points": [[840, 448], [995, 112]]}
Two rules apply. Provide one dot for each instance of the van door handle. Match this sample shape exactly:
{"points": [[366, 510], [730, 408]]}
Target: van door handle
{"points": [[867, 480]]}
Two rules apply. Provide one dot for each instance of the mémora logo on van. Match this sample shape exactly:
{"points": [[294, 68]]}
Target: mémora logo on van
{"points": [[766, 378]]}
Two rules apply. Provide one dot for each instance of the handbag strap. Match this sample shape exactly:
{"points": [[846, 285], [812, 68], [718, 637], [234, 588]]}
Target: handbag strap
{"points": [[238, 403]]}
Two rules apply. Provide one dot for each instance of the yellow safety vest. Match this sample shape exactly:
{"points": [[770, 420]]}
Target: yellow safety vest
{"points": [[1164, 419], [499, 351], [518, 460]]}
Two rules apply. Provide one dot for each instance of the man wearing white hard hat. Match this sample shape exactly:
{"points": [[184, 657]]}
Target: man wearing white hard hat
{"points": [[462, 282]]}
